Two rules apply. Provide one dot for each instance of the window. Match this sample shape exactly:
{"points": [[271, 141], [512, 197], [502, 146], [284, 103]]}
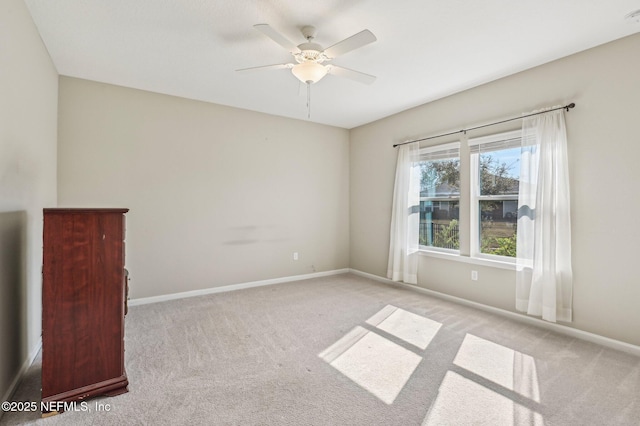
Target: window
{"points": [[440, 197], [495, 174], [492, 178]]}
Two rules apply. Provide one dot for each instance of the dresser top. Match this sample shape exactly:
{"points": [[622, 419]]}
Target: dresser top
{"points": [[65, 210]]}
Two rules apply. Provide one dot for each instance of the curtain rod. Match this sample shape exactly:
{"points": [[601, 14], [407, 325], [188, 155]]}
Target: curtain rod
{"points": [[567, 107]]}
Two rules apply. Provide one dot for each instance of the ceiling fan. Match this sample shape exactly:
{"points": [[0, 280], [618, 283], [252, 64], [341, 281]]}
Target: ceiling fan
{"points": [[311, 59]]}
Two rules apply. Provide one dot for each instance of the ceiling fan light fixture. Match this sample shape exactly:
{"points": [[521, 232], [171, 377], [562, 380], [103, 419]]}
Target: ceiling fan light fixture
{"points": [[309, 72]]}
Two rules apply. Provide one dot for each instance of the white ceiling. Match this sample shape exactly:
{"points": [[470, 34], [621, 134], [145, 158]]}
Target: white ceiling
{"points": [[426, 49]]}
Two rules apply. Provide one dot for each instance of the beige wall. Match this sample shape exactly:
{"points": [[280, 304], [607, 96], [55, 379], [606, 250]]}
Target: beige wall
{"points": [[604, 148], [28, 123], [218, 195]]}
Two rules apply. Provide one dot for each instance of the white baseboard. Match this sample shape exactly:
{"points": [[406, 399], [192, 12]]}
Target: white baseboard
{"points": [[569, 331], [20, 374], [232, 287]]}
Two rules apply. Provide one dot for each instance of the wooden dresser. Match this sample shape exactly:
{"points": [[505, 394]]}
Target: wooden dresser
{"points": [[83, 304]]}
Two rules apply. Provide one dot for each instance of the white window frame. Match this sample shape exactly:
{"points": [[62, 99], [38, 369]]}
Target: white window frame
{"points": [[507, 140], [433, 153]]}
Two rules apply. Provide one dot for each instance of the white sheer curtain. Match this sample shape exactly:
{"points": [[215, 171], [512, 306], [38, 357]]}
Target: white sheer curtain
{"points": [[405, 217], [544, 276]]}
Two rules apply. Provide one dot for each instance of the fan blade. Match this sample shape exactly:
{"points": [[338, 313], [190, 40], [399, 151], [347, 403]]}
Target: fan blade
{"points": [[267, 67], [353, 75], [347, 45], [277, 37]]}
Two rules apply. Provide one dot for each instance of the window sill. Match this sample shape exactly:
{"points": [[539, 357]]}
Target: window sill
{"points": [[511, 266]]}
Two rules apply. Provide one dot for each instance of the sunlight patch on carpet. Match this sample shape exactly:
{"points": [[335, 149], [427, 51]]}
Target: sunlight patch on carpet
{"points": [[506, 367], [414, 329], [373, 362], [461, 401]]}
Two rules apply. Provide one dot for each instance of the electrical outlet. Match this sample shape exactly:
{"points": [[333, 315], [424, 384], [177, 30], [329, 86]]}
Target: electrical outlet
{"points": [[295, 255], [474, 275]]}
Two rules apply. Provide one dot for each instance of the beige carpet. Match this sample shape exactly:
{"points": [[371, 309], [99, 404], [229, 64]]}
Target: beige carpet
{"points": [[345, 350]]}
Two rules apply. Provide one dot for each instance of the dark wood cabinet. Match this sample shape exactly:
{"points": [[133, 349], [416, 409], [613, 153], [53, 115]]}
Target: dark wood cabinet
{"points": [[83, 304]]}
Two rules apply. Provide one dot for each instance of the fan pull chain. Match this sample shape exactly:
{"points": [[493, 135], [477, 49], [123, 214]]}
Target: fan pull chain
{"points": [[309, 101]]}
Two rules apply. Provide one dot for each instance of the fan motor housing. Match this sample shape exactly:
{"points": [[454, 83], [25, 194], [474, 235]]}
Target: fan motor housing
{"points": [[310, 52]]}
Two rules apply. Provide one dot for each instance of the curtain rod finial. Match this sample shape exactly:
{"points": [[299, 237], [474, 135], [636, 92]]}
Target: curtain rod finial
{"points": [[571, 105]]}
